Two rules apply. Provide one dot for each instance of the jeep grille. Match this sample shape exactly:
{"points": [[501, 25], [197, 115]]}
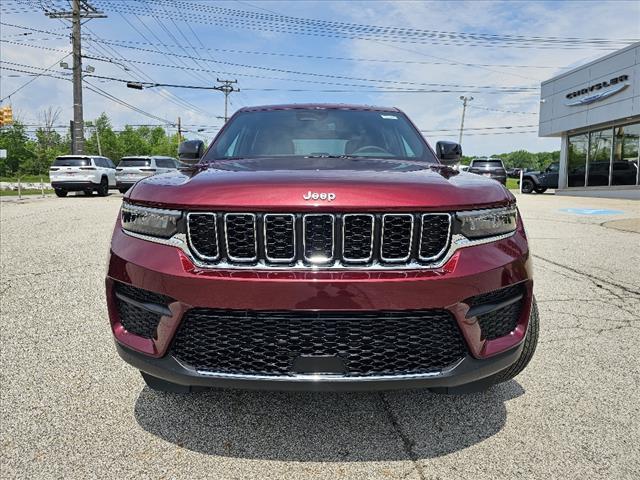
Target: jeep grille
{"points": [[318, 239]]}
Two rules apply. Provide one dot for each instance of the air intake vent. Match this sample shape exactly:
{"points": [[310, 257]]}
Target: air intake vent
{"points": [[202, 229], [280, 237], [240, 230], [434, 236], [397, 237], [357, 237], [318, 238]]}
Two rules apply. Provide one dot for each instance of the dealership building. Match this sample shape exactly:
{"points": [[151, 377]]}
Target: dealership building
{"points": [[595, 111]]}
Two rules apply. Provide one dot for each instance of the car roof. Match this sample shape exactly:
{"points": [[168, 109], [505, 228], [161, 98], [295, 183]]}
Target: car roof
{"points": [[80, 156], [319, 106]]}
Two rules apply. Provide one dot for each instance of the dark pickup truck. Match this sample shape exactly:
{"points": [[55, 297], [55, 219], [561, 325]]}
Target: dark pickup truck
{"points": [[539, 181]]}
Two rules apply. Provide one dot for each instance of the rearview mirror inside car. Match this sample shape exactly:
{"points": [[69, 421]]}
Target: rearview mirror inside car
{"points": [[191, 151], [449, 153]]}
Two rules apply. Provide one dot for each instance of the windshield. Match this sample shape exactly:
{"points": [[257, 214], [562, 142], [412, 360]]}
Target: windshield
{"points": [[71, 162], [320, 133], [134, 162]]}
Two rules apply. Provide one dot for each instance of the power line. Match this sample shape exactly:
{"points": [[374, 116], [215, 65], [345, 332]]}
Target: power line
{"points": [[119, 42], [304, 26], [460, 88], [477, 107], [34, 78]]}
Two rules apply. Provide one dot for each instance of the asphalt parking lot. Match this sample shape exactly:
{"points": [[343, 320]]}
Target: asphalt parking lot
{"points": [[72, 409]]}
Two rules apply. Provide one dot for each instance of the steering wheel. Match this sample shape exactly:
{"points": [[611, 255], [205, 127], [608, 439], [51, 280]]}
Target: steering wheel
{"points": [[370, 149]]}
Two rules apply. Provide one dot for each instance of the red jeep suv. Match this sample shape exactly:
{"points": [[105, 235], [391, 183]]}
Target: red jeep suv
{"points": [[321, 247]]}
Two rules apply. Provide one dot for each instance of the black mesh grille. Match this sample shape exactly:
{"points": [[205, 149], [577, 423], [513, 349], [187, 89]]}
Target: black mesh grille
{"points": [[358, 237], [203, 235], [396, 236], [318, 237], [241, 236], [502, 321], [376, 343], [134, 319], [279, 237], [434, 236]]}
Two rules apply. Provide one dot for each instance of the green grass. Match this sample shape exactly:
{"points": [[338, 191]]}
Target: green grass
{"points": [[14, 193], [512, 184]]}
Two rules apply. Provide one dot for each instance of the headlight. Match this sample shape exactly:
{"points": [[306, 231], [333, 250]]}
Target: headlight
{"points": [[150, 221], [488, 223]]}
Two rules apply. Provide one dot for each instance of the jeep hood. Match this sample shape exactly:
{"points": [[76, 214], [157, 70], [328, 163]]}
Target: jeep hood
{"points": [[358, 184]]}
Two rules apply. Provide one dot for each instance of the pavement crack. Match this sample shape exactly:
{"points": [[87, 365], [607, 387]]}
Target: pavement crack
{"points": [[407, 443], [598, 282]]}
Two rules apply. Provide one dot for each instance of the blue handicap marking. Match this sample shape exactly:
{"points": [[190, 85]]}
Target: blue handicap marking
{"points": [[591, 211]]}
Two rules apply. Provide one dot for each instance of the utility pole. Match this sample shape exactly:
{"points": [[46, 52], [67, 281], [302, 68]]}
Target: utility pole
{"points": [[465, 100], [98, 139], [81, 9], [179, 130], [227, 88]]}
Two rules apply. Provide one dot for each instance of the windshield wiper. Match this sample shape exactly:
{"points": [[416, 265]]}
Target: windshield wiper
{"points": [[333, 156]]}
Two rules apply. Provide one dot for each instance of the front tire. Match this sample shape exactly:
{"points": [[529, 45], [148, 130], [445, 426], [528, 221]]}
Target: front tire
{"points": [[123, 190], [529, 348], [60, 193], [527, 186]]}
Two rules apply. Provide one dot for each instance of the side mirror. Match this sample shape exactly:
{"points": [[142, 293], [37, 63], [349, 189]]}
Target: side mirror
{"points": [[449, 153], [191, 151]]}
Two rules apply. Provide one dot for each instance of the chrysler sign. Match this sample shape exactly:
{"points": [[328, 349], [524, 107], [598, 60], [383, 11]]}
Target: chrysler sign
{"points": [[599, 91]]}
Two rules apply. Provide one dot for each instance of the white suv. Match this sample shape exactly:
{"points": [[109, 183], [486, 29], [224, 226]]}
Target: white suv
{"points": [[132, 169], [86, 173]]}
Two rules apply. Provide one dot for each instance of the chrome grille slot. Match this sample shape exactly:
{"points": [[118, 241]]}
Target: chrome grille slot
{"points": [[202, 231], [280, 237], [434, 235], [357, 237], [397, 237], [318, 237], [240, 234]]}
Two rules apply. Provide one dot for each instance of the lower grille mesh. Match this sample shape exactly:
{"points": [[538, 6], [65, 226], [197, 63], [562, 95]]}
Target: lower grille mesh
{"points": [[268, 342], [136, 320], [500, 322]]}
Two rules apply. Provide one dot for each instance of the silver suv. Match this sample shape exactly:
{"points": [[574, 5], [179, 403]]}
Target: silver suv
{"points": [[132, 169], [82, 173]]}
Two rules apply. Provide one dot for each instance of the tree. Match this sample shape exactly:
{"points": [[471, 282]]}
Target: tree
{"points": [[15, 141]]}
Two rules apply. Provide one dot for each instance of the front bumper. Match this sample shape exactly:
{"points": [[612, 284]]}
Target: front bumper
{"points": [[468, 372], [471, 271]]}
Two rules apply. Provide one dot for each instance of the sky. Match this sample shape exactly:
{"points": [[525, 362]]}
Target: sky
{"points": [[444, 50]]}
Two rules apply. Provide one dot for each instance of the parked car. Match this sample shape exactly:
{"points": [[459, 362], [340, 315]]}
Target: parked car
{"points": [[82, 173], [313, 248], [539, 182], [489, 167], [463, 168], [132, 169]]}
